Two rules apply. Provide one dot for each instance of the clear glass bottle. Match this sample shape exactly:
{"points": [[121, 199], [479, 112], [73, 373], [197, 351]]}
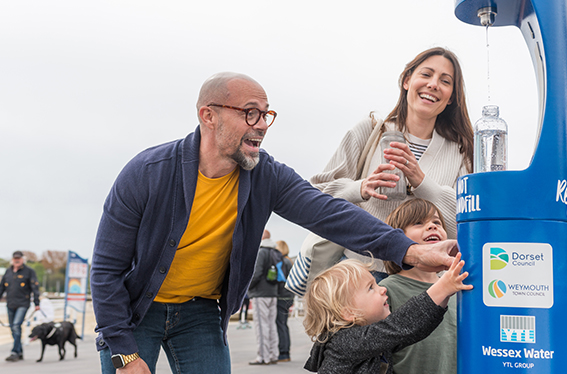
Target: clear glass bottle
{"points": [[400, 191], [490, 141]]}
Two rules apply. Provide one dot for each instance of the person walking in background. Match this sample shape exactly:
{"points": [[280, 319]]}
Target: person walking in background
{"points": [[285, 301], [19, 282], [264, 296], [423, 222], [432, 114]]}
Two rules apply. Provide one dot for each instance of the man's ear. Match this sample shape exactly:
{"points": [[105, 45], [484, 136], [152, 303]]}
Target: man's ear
{"points": [[208, 116]]}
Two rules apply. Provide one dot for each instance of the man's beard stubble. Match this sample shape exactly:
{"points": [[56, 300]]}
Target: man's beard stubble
{"points": [[244, 161]]}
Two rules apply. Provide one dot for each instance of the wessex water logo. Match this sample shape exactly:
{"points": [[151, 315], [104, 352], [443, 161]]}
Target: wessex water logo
{"points": [[498, 258], [497, 288]]}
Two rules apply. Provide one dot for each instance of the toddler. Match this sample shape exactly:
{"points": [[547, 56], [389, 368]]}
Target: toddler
{"points": [[348, 317]]}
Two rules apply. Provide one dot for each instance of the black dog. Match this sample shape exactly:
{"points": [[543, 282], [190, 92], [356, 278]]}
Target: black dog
{"points": [[55, 334]]}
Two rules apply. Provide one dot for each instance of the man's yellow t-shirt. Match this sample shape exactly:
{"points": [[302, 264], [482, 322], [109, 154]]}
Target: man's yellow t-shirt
{"points": [[203, 254]]}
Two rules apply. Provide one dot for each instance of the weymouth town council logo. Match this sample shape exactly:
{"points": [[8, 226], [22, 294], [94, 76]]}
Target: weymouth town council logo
{"points": [[498, 258], [497, 289]]}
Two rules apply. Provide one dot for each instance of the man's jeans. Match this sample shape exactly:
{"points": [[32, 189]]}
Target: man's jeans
{"points": [[190, 334], [16, 318]]}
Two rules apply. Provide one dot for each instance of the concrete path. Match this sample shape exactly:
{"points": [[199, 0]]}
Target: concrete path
{"points": [[242, 346]]}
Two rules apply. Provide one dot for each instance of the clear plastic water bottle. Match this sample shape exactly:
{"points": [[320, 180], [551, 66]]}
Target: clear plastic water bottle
{"points": [[490, 141], [400, 191]]}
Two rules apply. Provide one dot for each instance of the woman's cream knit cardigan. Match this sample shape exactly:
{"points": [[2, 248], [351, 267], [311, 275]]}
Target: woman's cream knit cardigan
{"points": [[442, 164]]}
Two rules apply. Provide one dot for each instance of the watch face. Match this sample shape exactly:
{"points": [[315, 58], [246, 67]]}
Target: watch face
{"points": [[117, 361]]}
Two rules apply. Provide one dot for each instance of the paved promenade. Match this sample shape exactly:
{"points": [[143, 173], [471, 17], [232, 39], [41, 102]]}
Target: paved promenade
{"points": [[242, 347]]}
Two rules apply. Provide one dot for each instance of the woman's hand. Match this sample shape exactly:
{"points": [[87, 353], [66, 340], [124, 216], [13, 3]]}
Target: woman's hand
{"points": [[377, 179], [402, 157]]}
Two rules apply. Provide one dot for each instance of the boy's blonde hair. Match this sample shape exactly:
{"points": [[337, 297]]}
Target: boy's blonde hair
{"points": [[407, 214], [328, 295]]}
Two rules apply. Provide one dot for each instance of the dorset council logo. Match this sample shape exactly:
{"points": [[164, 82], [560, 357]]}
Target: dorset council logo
{"points": [[498, 258], [497, 289]]}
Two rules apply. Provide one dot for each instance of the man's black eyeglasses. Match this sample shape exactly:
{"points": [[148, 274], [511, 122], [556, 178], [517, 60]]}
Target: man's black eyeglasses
{"points": [[253, 115]]}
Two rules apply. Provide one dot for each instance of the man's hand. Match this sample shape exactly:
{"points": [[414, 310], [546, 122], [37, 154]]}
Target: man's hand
{"points": [[138, 366], [432, 257]]}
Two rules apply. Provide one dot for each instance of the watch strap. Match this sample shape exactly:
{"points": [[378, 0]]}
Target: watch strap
{"points": [[126, 359], [129, 358]]}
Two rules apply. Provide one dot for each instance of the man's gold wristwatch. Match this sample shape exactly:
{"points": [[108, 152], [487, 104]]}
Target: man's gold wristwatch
{"points": [[119, 361]]}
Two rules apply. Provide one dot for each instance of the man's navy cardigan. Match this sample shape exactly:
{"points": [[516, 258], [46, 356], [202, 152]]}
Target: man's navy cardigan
{"points": [[146, 214]]}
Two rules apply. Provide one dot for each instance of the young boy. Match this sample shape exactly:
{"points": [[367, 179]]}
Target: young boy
{"points": [[348, 317], [422, 222]]}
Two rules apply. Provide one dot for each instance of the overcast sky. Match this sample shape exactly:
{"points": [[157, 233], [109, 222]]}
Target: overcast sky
{"points": [[85, 85]]}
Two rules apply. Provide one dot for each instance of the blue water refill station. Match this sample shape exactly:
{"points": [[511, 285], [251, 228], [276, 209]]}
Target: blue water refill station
{"points": [[512, 225]]}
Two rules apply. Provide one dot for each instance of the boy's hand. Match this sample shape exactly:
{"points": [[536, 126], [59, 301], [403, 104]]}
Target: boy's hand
{"points": [[450, 283]]}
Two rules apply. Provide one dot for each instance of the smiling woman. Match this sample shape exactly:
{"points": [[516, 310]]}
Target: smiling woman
{"points": [[429, 91], [431, 112]]}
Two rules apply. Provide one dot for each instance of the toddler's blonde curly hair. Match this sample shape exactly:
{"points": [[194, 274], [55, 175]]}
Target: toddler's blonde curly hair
{"points": [[329, 295]]}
